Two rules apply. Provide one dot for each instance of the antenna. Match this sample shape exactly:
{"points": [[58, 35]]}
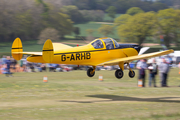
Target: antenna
{"points": [[83, 39]]}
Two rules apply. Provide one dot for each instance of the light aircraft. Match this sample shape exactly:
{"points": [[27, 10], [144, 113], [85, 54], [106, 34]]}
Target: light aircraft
{"points": [[100, 52]]}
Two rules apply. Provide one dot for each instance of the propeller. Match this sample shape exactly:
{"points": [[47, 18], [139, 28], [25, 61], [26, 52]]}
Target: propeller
{"points": [[143, 50]]}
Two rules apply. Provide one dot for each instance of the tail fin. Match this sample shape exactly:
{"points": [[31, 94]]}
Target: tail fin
{"points": [[48, 51], [17, 47]]}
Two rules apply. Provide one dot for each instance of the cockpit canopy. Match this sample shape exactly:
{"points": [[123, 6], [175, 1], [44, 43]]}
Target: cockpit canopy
{"points": [[106, 43]]}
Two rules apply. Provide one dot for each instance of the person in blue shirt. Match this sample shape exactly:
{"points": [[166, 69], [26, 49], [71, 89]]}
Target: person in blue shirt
{"points": [[8, 66]]}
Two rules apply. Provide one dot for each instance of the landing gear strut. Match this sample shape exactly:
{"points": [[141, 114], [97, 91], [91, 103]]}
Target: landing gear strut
{"points": [[131, 72], [119, 73], [91, 72]]}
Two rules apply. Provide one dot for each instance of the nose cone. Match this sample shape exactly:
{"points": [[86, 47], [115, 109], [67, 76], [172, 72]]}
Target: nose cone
{"points": [[138, 48]]}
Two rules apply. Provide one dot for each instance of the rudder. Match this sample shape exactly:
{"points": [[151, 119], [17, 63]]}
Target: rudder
{"points": [[48, 51], [17, 47]]}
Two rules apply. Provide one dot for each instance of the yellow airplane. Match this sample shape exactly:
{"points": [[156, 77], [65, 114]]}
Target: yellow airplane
{"points": [[100, 52]]}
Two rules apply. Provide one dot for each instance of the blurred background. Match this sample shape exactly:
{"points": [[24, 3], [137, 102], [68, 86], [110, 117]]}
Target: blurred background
{"points": [[74, 96], [154, 23]]}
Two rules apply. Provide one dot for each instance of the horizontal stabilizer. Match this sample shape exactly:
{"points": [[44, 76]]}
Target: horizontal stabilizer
{"points": [[28, 53]]}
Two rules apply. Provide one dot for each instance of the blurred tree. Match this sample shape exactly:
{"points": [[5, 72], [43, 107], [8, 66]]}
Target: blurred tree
{"points": [[76, 30], [134, 10], [27, 18], [92, 15], [61, 22], [169, 25], [6, 25], [122, 19], [24, 24], [111, 11], [158, 6], [89, 31], [138, 27], [73, 12], [105, 30], [45, 8], [48, 33]]}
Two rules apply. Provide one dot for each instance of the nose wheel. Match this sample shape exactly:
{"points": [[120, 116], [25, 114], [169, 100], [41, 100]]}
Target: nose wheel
{"points": [[91, 72], [119, 73]]}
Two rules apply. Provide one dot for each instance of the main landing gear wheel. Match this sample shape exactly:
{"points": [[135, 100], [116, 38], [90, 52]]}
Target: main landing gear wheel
{"points": [[131, 74], [119, 73], [90, 72]]}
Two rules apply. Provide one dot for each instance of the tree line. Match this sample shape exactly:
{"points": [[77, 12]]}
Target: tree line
{"points": [[36, 19], [121, 5], [137, 27], [28, 18]]}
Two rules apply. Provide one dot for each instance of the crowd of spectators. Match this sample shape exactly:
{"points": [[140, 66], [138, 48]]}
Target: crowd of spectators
{"points": [[9, 65], [160, 65]]}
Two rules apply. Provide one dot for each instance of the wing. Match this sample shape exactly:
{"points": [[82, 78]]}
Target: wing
{"points": [[137, 57]]}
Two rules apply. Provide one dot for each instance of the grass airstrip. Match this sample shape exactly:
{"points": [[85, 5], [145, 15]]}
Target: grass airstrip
{"points": [[74, 96]]}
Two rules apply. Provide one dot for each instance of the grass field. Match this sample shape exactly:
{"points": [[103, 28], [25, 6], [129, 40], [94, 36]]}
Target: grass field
{"points": [[74, 96], [94, 26]]}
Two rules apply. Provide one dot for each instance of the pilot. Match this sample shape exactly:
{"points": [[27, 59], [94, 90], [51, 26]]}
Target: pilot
{"points": [[109, 46], [99, 44]]}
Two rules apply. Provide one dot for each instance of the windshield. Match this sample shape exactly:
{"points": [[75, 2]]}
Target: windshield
{"points": [[109, 43], [97, 44], [115, 42]]}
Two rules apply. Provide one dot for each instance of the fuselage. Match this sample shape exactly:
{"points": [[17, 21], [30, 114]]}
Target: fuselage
{"points": [[90, 54]]}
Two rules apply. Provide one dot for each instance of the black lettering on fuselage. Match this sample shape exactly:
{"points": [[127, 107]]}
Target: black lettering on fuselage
{"points": [[63, 57], [72, 57], [78, 56], [88, 55], [82, 56]]}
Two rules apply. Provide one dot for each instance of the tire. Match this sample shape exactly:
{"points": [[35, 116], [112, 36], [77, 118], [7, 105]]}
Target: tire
{"points": [[131, 74], [119, 73], [89, 72]]}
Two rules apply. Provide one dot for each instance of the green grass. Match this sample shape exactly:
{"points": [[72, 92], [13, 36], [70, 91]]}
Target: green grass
{"points": [[94, 26], [74, 96], [107, 18]]}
